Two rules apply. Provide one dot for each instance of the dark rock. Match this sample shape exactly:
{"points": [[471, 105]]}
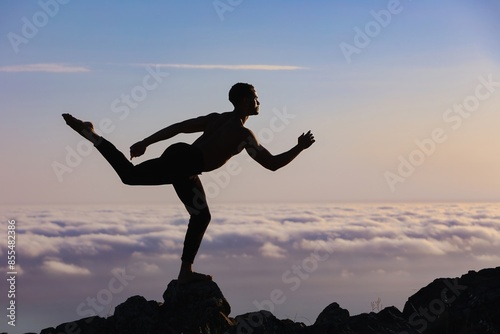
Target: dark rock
{"points": [[136, 315], [333, 313], [466, 305], [91, 325], [389, 320], [198, 307], [197, 295], [263, 322], [336, 320], [469, 304]]}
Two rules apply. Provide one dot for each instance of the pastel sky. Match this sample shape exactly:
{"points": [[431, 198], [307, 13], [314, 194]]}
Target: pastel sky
{"points": [[402, 96]]}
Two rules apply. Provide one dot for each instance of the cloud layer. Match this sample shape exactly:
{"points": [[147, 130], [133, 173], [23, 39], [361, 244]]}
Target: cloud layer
{"points": [[317, 254], [69, 239]]}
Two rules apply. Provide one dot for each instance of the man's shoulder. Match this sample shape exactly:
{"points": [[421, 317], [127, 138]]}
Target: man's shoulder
{"points": [[219, 114], [215, 116], [212, 115]]}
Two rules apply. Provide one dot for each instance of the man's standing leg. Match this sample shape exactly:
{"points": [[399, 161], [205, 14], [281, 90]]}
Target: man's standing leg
{"points": [[191, 193]]}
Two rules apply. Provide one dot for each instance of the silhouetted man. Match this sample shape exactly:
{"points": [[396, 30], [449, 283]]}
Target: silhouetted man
{"points": [[223, 136]]}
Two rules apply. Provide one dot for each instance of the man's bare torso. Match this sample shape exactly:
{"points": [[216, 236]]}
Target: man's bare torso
{"points": [[224, 137]]}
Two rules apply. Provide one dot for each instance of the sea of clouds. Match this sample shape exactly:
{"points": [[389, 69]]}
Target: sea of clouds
{"points": [[292, 259]]}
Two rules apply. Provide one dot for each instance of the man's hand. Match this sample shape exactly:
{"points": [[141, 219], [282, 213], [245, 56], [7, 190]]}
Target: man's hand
{"points": [[306, 140], [137, 149]]}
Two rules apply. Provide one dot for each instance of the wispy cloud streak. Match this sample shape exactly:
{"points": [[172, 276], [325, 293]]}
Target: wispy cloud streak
{"points": [[46, 67], [241, 67]]}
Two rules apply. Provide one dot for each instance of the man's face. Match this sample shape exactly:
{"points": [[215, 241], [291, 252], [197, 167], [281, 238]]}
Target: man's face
{"points": [[252, 104]]}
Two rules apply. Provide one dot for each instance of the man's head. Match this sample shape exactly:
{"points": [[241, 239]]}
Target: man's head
{"points": [[244, 97]]}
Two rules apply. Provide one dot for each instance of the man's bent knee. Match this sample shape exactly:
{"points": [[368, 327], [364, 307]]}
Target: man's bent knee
{"points": [[202, 217], [205, 215]]}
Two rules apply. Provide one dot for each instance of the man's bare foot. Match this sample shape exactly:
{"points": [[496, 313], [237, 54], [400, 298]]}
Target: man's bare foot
{"points": [[85, 129], [191, 277], [187, 275]]}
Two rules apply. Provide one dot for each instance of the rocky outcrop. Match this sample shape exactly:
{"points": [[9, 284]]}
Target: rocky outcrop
{"points": [[469, 304], [336, 320], [196, 308], [466, 305]]}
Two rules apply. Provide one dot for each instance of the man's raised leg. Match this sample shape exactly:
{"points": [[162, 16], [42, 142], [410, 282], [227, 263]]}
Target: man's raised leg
{"points": [[150, 172]]}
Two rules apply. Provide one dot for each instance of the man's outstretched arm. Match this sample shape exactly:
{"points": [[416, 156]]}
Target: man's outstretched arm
{"points": [[274, 162], [188, 126]]}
